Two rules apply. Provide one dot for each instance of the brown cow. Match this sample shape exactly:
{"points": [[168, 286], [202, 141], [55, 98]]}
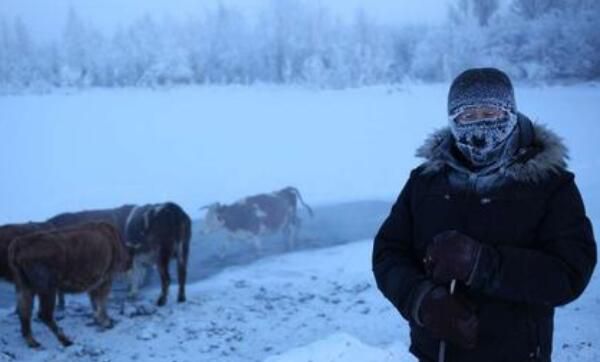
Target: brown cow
{"points": [[153, 234], [257, 215], [75, 260]]}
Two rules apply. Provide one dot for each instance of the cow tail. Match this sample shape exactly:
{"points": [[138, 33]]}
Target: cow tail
{"points": [[14, 263], [18, 267], [297, 193]]}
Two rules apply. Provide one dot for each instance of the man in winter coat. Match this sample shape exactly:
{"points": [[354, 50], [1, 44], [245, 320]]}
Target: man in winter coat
{"points": [[494, 213]]}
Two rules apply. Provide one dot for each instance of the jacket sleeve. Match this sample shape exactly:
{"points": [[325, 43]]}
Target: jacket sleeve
{"points": [[557, 272], [399, 276]]}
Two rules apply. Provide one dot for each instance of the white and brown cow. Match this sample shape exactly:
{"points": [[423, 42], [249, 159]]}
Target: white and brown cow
{"points": [[84, 258], [258, 215], [153, 234]]}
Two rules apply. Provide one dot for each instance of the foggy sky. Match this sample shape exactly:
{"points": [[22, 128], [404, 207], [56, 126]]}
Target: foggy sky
{"points": [[46, 19]]}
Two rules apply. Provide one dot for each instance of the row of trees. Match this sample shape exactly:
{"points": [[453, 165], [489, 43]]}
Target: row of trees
{"points": [[531, 39], [290, 42]]}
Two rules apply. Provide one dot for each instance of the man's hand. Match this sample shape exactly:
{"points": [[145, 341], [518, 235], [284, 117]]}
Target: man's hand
{"points": [[452, 255], [448, 318]]}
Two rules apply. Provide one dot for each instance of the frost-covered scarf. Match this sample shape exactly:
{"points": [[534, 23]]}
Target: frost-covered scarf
{"points": [[483, 141]]}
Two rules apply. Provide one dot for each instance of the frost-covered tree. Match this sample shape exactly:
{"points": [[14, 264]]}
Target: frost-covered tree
{"points": [[469, 11], [75, 70], [484, 10], [556, 39], [364, 55], [6, 57], [403, 46], [292, 41], [533, 9]]}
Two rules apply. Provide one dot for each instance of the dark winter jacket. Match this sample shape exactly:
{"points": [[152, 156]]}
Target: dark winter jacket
{"points": [[540, 250]]}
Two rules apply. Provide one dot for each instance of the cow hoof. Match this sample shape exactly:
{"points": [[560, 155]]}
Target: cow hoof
{"points": [[59, 314], [181, 299], [108, 324], [102, 325], [161, 301], [105, 328], [32, 343], [131, 296], [66, 342]]}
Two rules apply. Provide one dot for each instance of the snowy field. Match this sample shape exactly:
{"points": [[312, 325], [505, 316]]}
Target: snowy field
{"points": [[102, 148], [318, 305]]}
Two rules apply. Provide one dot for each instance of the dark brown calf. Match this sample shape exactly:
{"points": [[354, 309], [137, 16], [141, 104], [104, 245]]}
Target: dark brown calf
{"points": [[74, 260]]}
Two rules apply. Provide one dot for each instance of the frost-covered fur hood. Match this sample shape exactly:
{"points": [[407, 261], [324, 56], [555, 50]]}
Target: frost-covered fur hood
{"points": [[544, 153]]}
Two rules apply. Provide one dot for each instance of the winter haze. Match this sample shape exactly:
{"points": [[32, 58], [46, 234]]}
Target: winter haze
{"points": [[105, 103], [103, 14]]}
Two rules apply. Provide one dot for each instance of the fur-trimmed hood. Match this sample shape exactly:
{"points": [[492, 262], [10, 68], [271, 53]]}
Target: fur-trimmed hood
{"points": [[541, 153]]}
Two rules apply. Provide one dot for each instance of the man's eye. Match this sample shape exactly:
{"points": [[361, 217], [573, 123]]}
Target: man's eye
{"points": [[466, 117]]}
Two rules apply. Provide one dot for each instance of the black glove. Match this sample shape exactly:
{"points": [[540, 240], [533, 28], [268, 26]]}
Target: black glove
{"points": [[449, 318], [452, 255]]}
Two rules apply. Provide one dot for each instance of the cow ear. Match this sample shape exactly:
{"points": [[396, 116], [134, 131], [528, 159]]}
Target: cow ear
{"points": [[152, 213]]}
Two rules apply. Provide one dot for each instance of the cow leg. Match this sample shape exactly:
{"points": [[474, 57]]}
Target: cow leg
{"points": [[17, 294], [47, 304], [24, 308], [290, 235], [225, 247], [98, 298], [93, 303], [182, 258], [165, 278], [257, 244], [61, 301], [136, 276]]}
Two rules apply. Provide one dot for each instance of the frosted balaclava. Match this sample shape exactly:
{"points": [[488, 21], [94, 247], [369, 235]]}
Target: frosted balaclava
{"points": [[482, 141]]}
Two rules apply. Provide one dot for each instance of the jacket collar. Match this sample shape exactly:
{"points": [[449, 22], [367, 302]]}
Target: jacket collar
{"points": [[540, 154]]}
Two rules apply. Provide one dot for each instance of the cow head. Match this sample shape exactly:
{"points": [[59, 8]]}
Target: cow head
{"points": [[213, 220], [141, 224]]}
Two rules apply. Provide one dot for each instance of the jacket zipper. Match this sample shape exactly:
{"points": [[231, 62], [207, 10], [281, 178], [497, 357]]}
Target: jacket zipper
{"points": [[534, 337]]}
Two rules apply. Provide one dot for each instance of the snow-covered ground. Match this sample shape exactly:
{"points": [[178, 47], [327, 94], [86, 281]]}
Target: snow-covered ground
{"points": [[317, 305], [243, 314]]}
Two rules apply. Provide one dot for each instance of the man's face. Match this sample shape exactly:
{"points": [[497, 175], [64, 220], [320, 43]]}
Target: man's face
{"points": [[478, 113], [480, 131]]}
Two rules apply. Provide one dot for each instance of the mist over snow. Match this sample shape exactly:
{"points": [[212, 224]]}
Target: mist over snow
{"points": [[197, 145]]}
